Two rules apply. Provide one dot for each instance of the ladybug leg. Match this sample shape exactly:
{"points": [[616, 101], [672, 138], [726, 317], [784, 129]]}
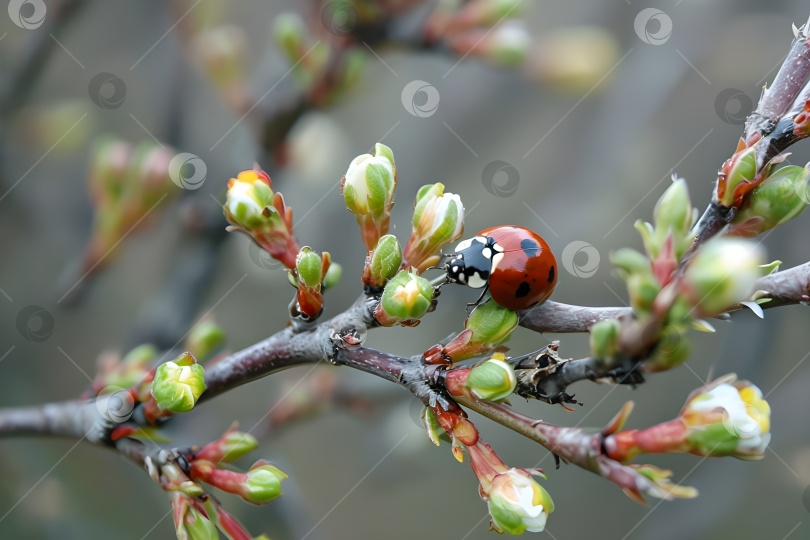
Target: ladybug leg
{"points": [[480, 298]]}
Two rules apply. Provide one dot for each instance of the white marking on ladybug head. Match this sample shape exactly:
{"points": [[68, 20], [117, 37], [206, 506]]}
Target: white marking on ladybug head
{"points": [[497, 247], [475, 281], [464, 244], [462, 278], [487, 252], [496, 259], [455, 269]]}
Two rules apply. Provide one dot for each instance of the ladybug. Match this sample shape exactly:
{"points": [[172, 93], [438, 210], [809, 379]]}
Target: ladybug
{"points": [[514, 264]]}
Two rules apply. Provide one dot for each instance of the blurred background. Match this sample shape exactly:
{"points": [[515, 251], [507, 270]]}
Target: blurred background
{"points": [[604, 104]]}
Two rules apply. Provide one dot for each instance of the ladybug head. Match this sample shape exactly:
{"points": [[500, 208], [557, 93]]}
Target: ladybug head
{"points": [[470, 264]]}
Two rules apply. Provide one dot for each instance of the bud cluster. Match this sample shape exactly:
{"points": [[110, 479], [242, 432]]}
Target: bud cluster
{"points": [[125, 184], [488, 29], [254, 209]]}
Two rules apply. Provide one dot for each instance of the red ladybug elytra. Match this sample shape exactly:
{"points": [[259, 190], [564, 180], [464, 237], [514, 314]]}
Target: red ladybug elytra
{"points": [[514, 264]]}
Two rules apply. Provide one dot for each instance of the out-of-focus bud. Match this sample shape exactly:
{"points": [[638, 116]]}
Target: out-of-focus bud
{"points": [[604, 339], [311, 270], [673, 217], [190, 519], [737, 178], [109, 161], [405, 298], [438, 219], [642, 286], [573, 59], [368, 188], [229, 525], [383, 263], [517, 503], [776, 200], [222, 53], [507, 44], [231, 446], [493, 380], [672, 349], [724, 418], [722, 273], [178, 384], [204, 339], [260, 485], [253, 208], [306, 57], [332, 277], [484, 13], [487, 327], [123, 373]]}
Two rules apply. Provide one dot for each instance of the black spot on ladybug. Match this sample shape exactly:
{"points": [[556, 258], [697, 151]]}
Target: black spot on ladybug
{"points": [[529, 247], [525, 275], [551, 275], [542, 362], [523, 290]]}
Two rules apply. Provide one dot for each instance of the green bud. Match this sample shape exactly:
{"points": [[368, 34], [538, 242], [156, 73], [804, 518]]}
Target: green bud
{"points": [[494, 380], [179, 384], [141, 354], [673, 349], [634, 269], [332, 275], [198, 527], [776, 200], [236, 444], [604, 338], [425, 195], [204, 339], [722, 273], [491, 323], [263, 483], [308, 264], [630, 261], [744, 170], [509, 43], [290, 34], [370, 182], [407, 296], [192, 489], [386, 259]]}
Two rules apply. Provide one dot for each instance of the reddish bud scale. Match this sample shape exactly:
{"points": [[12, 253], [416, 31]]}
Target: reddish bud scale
{"points": [[465, 431], [663, 438], [310, 300], [448, 418], [455, 380], [152, 411], [122, 431], [230, 526], [227, 481], [436, 356], [802, 122]]}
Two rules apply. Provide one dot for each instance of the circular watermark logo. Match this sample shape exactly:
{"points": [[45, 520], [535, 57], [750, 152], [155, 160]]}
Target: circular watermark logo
{"points": [[667, 339], [572, 259], [742, 420], [187, 171], [646, 20], [340, 18], [107, 90], [261, 257], [35, 323], [500, 178], [115, 404], [28, 14], [733, 106], [350, 335], [409, 93]]}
